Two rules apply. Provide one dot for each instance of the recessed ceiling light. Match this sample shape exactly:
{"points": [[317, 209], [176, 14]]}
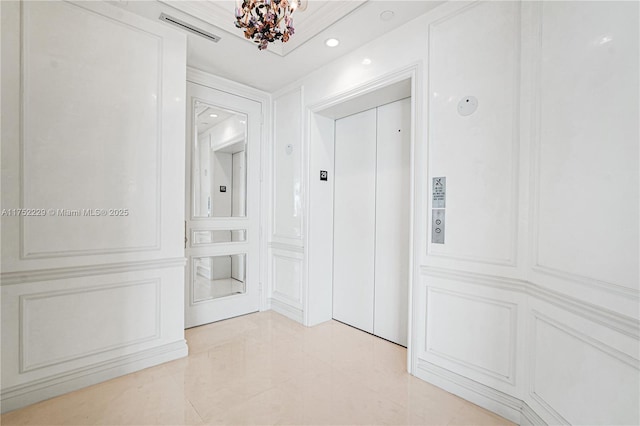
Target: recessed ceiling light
{"points": [[332, 42], [387, 15], [213, 115], [366, 61]]}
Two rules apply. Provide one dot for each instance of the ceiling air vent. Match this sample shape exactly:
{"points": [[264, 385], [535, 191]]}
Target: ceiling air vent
{"points": [[189, 27]]}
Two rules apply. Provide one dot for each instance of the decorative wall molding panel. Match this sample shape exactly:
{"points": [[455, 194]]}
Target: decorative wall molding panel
{"points": [[19, 277], [94, 287], [574, 209], [480, 334], [287, 274], [286, 247], [49, 139], [482, 218], [558, 382], [287, 190], [53, 328], [611, 319], [287, 310], [41, 343], [286, 253], [285, 278]]}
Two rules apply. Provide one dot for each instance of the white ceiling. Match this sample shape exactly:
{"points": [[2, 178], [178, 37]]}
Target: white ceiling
{"points": [[353, 22], [208, 116]]}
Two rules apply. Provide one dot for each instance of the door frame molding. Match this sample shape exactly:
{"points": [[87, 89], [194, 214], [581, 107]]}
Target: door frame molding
{"points": [[415, 73], [264, 99]]}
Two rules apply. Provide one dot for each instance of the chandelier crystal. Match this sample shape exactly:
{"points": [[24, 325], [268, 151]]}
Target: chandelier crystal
{"points": [[265, 21]]}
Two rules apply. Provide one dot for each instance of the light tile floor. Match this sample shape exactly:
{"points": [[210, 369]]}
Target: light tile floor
{"points": [[265, 369]]}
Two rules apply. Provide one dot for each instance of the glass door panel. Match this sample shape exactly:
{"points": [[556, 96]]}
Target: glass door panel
{"points": [[222, 208], [219, 162], [218, 276]]}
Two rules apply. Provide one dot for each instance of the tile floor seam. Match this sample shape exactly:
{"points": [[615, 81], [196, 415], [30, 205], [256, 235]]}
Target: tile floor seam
{"points": [[196, 411]]}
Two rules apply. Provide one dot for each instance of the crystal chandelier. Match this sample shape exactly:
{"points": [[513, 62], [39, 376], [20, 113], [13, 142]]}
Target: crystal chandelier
{"points": [[265, 21]]}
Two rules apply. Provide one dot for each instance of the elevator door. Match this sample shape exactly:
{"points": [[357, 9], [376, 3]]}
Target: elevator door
{"points": [[371, 220]]}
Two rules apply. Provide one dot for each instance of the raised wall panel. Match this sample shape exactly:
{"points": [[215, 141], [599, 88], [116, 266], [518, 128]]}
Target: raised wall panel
{"points": [[471, 333], [354, 220], [575, 375], [287, 277], [61, 326], [74, 155], [477, 153], [287, 167], [586, 177]]}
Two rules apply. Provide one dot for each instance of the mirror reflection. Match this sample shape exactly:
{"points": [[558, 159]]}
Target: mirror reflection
{"points": [[219, 162], [218, 276]]}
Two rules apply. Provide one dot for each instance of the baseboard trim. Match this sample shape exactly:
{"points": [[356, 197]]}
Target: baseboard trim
{"points": [[287, 310], [530, 417], [29, 393], [486, 397]]}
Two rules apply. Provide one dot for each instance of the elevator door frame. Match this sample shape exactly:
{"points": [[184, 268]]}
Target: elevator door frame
{"points": [[361, 269], [322, 115]]}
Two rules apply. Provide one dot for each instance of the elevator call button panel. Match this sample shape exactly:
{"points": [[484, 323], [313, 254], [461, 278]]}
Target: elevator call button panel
{"points": [[437, 226], [438, 204]]}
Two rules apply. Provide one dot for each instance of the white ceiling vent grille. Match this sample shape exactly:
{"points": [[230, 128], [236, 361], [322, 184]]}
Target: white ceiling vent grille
{"points": [[178, 23]]}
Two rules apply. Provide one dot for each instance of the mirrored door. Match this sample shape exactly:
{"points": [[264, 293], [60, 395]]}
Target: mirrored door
{"points": [[222, 246]]}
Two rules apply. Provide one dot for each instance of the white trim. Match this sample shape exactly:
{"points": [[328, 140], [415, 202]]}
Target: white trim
{"points": [[238, 89], [506, 405], [39, 275], [287, 310], [499, 402], [528, 417], [29, 393], [610, 319], [276, 245]]}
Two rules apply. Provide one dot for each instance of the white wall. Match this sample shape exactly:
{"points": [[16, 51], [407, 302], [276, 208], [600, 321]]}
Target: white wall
{"points": [[88, 298], [530, 308], [285, 237]]}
